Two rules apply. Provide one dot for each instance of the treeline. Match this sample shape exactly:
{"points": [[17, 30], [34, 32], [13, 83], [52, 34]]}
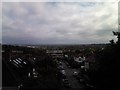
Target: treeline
{"points": [[26, 50], [106, 75]]}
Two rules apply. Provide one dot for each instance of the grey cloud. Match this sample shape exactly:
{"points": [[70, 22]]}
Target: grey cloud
{"points": [[58, 22]]}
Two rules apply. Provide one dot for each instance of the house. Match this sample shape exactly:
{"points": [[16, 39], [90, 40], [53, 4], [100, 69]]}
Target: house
{"points": [[89, 61], [55, 53]]}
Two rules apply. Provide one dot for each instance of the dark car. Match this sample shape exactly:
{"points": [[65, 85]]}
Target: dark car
{"points": [[75, 74], [81, 80], [60, 68], [65, 80], [66, 83]]}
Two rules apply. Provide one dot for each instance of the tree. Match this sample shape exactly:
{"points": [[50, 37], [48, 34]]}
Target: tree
{"points": [[108, 75], [118, 36]]}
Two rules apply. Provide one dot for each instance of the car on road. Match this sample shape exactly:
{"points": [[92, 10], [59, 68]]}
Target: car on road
{"points": [[75, 74], [65, 80], [64, 76], [66, 83], [67, 64], [60, 63], [88, 85], [81, 80], [63, 72], [60, 68]]}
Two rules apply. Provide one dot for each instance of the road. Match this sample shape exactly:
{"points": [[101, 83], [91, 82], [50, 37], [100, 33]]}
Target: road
{"points": [[69, 74]]}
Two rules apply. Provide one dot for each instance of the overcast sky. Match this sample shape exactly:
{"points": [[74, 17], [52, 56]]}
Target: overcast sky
{"points": [[58, 23]]}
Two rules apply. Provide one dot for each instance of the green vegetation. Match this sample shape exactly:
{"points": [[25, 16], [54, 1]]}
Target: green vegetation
{"points": [[105, 74]]}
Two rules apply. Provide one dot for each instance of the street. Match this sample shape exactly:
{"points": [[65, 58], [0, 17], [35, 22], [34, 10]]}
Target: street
{"points": [[72, 80]]}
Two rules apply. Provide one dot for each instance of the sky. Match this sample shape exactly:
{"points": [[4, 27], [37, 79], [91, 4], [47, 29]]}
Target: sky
{"points": [[58, 22]]}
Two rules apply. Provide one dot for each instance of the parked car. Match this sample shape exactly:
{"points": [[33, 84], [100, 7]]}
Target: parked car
{"points": [[64, 76], [66, 83], [67, 64], [88, 85], [81, 80], [65, 80], [75, 74], [60, 68], [60, 63], [63, 72]]}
